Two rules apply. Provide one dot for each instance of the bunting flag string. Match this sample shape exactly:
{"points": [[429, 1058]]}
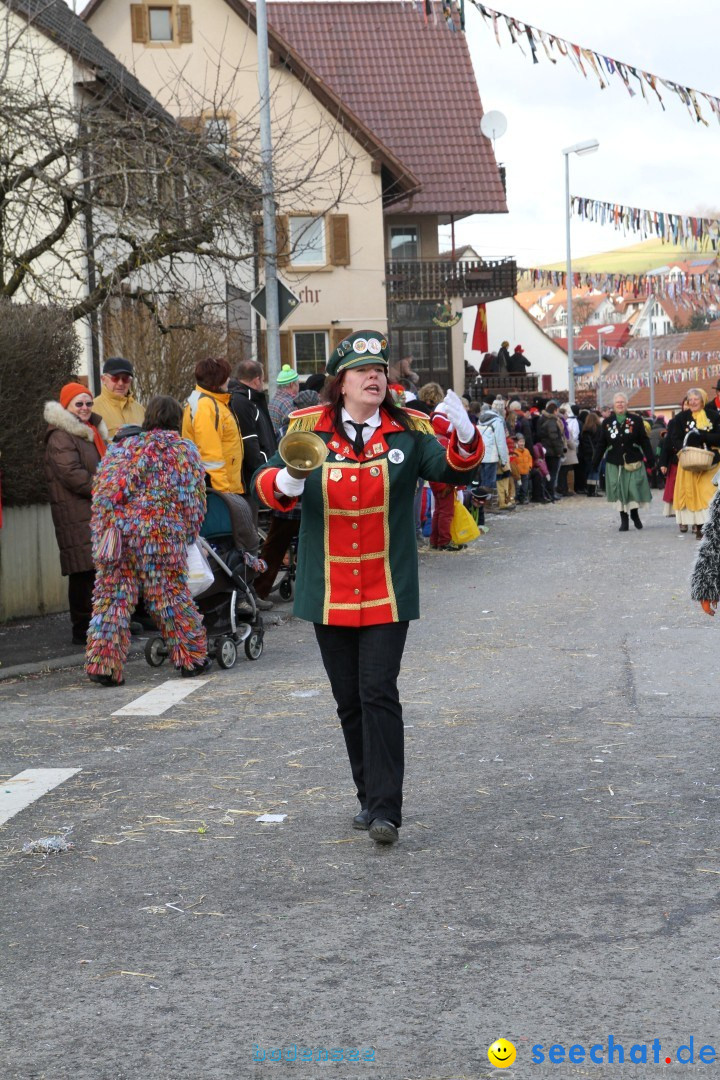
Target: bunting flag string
{"points": [[688, 366], [603, 68], [682, 229], [676, 285]]}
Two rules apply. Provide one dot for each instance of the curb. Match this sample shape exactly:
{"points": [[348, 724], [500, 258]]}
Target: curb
{"points": [[77, 659]]}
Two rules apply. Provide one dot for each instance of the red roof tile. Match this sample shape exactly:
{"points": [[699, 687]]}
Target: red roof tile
{"points": [[667, 350], [413, 85]]}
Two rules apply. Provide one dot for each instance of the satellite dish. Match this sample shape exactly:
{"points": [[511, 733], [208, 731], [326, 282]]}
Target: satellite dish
{"points": [[493, 125]]}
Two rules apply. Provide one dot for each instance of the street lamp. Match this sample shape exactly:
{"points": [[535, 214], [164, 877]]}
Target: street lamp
{"points": [[587, 147], [602, 330]]}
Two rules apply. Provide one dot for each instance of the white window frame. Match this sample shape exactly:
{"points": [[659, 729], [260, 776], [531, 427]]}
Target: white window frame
{"points": [[301, 228], [296, 334], [221, 121]]}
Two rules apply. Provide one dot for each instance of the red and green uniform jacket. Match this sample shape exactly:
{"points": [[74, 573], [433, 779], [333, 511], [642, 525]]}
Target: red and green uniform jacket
{"points": [[357, 552]]}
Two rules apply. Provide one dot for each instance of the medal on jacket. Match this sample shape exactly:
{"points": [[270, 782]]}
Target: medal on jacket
{"points": [[396, 456]]}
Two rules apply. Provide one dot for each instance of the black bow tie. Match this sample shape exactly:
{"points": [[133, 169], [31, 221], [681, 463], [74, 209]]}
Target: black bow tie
{"points": [[358, 441]]}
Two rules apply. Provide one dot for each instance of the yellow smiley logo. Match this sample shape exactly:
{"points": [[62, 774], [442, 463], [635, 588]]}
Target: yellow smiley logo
{"points": [[501, 1054]]}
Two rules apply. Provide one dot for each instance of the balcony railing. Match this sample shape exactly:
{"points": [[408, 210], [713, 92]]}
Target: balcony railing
{"points": [[507, 385], [434, 279]]}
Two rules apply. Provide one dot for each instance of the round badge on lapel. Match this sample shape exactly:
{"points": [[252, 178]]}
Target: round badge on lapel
{"points": [[374, 471], [396, 456]]}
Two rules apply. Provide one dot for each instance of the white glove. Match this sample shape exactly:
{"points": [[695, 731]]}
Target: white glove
{"points": [[454, 409], [289, 485]]}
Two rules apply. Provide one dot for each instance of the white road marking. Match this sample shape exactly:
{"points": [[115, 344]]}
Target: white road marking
{"points": [[26, 787], [162, 698]]}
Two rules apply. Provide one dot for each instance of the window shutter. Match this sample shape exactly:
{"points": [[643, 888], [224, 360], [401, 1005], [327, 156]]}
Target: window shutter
{"points": [[285, 348], [337, 334], [282, 230], [339, 240], [184, 24], [139, 23], [195, 124]]}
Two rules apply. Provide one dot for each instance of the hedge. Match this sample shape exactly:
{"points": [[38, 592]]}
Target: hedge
{"points": [[39, 353]]}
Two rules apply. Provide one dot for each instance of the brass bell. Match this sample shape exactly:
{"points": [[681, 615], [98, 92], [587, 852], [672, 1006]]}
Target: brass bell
{"points": [[302, 452]]}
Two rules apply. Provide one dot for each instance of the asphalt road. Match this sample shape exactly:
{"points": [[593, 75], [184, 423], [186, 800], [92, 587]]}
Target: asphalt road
{"points": [[556, 882]]}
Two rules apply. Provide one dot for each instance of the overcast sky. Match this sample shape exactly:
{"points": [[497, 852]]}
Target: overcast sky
{"points": [[647, 157]]}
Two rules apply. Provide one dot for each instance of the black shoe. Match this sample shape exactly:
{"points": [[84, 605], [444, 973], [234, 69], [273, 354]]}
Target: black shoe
{"points": [[636, 519], [624, 522], [452, 547], [362, 820], [106, 680], [383, 832], [196, 669]]}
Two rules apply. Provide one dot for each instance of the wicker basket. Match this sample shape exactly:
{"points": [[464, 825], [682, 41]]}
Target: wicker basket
{"points": [[695, 459]]}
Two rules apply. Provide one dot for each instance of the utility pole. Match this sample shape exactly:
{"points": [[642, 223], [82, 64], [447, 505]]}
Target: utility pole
{"points": [[272, 318]]}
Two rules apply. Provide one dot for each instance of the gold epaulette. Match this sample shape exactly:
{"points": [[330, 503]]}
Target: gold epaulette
{"points": [[304, 419], [419, 421]]}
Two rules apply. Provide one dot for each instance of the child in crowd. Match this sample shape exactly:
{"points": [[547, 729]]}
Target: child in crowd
{"points": [[521, 464], [505, 482], [540, 475]]}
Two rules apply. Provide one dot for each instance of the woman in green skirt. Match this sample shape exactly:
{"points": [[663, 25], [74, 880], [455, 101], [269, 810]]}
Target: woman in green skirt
{"points": [[624, 443]]}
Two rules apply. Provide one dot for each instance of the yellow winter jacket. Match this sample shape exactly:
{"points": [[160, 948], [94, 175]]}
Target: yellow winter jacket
{"points": [[208, 422], [117, 410]]}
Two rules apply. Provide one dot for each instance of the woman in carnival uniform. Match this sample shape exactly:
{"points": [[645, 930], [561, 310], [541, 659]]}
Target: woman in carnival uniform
{"points": [[357, 576], [624, 439]]}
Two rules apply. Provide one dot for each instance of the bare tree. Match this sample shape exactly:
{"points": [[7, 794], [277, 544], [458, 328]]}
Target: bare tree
{"points": [[164, 361], [103, 191]]}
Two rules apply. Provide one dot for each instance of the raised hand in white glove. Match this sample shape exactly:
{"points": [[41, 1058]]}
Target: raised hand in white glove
{"points": [[289, 485], [454, 409]]}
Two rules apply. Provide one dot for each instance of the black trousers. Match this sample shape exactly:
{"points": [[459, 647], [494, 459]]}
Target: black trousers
{"points": [[363, 665], [279, 537], [80, 594]]}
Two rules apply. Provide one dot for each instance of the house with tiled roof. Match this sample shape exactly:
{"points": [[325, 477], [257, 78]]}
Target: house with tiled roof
{"points": [[372, 185], [93, 216], [411, 79]]}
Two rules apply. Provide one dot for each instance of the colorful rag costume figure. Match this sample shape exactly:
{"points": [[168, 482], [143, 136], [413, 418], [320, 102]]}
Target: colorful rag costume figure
{"points": [[148, 494], [357, 574]]}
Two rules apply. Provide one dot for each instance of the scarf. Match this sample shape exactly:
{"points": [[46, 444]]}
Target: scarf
{"points": [[701, 420], [97, 439]]}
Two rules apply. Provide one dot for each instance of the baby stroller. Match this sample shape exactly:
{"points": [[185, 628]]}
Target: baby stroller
{"points": [[228, 608]]}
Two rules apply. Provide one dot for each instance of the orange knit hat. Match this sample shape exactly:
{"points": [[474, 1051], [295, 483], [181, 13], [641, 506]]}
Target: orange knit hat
{"points": [[71, 390]]}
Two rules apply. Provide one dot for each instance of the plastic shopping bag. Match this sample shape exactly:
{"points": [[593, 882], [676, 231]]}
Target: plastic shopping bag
{"points": [[464, 527], [200, 575]]}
